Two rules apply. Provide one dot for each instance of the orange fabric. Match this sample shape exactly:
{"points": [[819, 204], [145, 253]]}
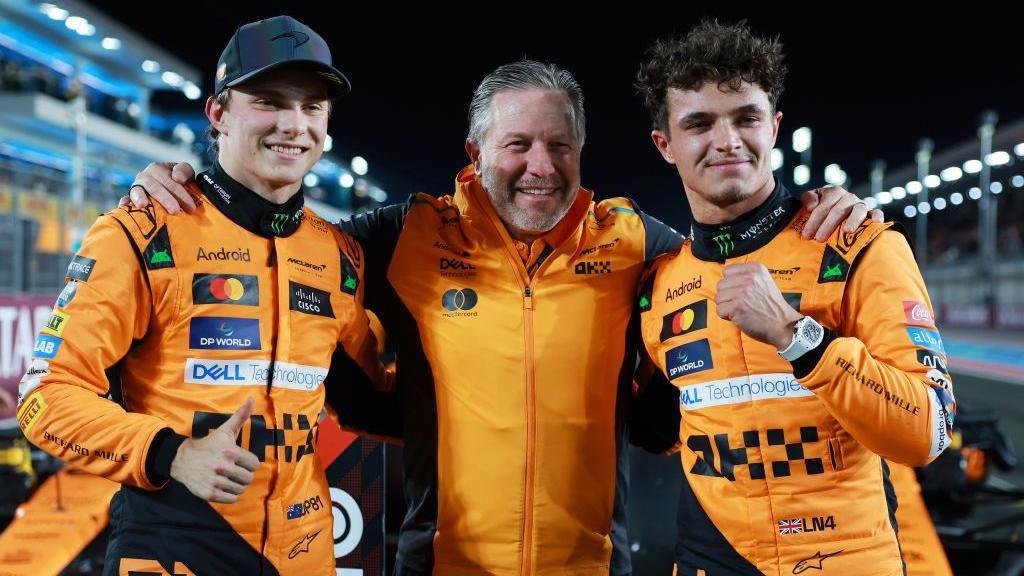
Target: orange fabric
{"points": [[764, 451], [521, 397], [63, 516], [922, 549], [189, 350]]}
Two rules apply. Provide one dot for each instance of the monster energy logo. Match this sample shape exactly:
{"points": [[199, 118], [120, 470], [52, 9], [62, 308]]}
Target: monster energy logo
{"points": [[277, 223], [832, 272], [724, 243], [159, 257]]}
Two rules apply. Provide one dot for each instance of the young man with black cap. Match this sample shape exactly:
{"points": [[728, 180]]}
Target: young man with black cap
{"points": [[186, 358]]}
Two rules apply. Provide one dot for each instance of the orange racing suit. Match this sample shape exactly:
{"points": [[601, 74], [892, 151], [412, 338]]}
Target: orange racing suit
{"points": [[784, 469], [165, 327]]}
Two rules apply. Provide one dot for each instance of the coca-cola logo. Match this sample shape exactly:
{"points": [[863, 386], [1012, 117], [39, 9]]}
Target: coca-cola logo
{"points": [[917, 314]]}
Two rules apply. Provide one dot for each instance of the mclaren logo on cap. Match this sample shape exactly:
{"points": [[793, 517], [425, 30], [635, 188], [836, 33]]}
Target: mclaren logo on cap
{"points": [[222, 70], [300, 38], [332, 77]]}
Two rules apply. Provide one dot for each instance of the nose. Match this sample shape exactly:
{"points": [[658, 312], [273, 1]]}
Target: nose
{"points": [[291, 122], [539, 162], [724, 137]]}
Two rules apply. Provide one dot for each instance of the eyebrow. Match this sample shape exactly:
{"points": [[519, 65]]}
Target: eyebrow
{"points": [[746, 109], [264, 92]]}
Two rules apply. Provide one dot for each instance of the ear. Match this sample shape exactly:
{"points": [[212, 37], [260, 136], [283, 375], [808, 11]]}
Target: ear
{"points": [[215, 114], [473, 151], [661, 142]]}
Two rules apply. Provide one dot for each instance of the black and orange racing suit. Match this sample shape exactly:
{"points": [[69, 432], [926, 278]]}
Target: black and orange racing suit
{"points": [[165, 327], [514, 425], [784, 464]]}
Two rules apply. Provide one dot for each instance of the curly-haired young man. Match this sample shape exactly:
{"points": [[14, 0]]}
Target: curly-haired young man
{"points": [[800, 365]]}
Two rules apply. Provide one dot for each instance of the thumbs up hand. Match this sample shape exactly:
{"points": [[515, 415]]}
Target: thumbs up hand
{"points": [[214, 468]]}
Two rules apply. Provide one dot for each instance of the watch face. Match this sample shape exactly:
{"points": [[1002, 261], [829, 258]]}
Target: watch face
{"points": [[811, 331]]}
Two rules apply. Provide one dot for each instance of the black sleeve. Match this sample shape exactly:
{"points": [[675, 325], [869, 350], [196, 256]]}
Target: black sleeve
{"points": [[360, 407], [654, 414], [377, 231], [660, 237]]}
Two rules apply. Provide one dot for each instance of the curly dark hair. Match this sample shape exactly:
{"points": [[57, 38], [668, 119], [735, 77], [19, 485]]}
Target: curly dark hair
{"points": [[727, 54]]}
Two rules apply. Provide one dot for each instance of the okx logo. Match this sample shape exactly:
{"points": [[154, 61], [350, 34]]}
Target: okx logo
{"points": [[220, 333], [688, 359], [724, 243], [685, 320], [458, 302], [241, 289]]}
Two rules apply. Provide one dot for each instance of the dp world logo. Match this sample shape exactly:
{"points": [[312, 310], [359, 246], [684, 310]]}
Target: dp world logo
{"points": [[454, 299]]}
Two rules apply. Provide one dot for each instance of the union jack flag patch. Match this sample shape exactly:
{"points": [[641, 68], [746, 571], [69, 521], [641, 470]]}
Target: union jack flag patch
{"points": [[795, 526]]}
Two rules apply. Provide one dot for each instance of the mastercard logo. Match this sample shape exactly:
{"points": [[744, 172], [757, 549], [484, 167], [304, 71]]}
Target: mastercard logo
{"points": [[682, 321], [227, 289], [238, 289], [689, 318]]}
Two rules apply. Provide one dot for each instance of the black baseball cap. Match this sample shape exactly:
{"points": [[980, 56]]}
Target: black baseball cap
{"points": [[258, 47]]}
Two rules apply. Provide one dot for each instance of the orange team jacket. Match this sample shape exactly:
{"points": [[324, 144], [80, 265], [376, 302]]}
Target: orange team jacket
{"points": [[784, 469], [514, 451], [166, 326]]}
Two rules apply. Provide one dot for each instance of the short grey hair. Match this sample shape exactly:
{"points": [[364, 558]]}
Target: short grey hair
{"points": [[525, 75]]}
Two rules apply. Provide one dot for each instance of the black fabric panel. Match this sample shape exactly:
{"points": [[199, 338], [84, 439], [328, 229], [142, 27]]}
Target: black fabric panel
{"points": [[621, 564], [892, 504], [701, 546], [359, 406], [659, 237], [171, 525]]}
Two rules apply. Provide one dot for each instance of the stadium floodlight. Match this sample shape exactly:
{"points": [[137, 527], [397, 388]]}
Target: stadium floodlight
{"points": [[110, 43], [974, 193], [909, 211], [777, 158], [53, 12], [1019, 149], [997, 158], [972, 166], [951, 174], [884, 197], [172, 78], [311, 180], [1017, 181], [871, 203], [924, 207], [86, 30], [801, 175], [932, 181], [801, 139], [328, 143], [192, 92], [996, 187], [939, 203], [346, 180], [914, 187], [360, 166], [75, 23], [956, 198], [834, 175], [150, 66], [898, 193]]}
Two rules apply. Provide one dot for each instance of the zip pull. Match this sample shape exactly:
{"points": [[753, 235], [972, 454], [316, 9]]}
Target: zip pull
{"points": [[527, 298]]}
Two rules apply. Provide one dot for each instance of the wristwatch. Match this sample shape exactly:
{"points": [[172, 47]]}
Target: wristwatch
{"points": [[807, 335]]}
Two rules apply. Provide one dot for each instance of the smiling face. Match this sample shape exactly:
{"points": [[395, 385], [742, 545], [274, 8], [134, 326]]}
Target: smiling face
{"points": [[720, 141], [529, 160], [273, 130]]}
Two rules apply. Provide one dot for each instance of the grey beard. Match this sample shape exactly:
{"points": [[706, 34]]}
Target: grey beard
{"points": [[503, 200]]}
